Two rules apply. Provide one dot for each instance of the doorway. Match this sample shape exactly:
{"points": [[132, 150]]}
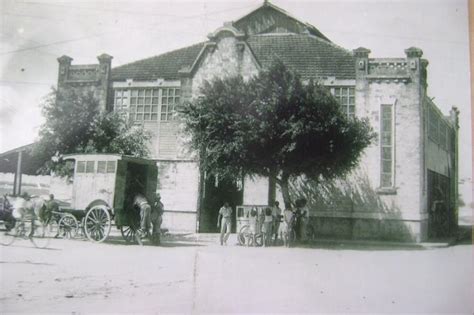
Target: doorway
{"points": [[216, 192]]}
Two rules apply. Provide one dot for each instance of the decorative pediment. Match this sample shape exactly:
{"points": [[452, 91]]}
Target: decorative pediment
{"points": [[228, 28]]}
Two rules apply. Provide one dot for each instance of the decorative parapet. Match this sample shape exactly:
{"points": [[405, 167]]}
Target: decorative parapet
{"points": [[388, 69], [84, 74], [404, 70]]}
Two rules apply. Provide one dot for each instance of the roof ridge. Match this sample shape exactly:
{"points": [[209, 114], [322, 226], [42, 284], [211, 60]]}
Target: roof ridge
{"points": [[161, 55]]}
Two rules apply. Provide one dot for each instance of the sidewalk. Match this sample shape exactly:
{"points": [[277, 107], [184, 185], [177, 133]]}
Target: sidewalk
{"points": [[213, 238]]}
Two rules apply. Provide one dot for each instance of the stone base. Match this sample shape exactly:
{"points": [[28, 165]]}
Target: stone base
{"points": [[369, 229]]}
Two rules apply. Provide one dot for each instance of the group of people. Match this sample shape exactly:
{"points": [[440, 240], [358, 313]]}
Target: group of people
{"points": [[271, 223], [151, 214]]}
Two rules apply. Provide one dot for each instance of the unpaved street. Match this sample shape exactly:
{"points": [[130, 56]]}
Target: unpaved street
{"points": [[189, 275]]}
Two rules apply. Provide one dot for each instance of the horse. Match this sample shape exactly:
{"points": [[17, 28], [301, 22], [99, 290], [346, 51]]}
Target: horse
{"points": [[26, 207]]}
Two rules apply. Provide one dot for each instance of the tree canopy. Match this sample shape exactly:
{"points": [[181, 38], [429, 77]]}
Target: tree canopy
{"points": [[74, 124], [274, 125]]}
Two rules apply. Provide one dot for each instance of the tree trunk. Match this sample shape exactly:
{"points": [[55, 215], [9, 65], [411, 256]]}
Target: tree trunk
{"points": [[284, 185], [272, 187]]}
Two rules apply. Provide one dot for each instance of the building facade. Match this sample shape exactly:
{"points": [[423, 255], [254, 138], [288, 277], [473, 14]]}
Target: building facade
{"points": [[409, 173]]}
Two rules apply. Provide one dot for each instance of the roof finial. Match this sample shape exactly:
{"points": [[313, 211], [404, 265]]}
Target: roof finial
{"points": [[266, 2]]}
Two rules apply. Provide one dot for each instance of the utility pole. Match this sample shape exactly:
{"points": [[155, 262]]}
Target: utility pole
{"points": [[17, 180]]}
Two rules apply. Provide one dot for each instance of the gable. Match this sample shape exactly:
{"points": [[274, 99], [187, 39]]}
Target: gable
{"points": [[271, 19]]}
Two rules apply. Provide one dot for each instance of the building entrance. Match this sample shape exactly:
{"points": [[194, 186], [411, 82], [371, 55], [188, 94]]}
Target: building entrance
{"points": [[215, 193]]}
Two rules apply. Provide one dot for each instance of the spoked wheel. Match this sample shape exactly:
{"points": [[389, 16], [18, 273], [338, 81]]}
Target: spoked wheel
{"points": [[243, 234], [68, 226], [258, 240], [7, 235], [42, 234], [97, 224], [128, 233]]}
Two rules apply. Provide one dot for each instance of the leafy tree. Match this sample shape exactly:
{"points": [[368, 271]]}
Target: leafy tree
{"points": [[274, 125], [74, 124]]}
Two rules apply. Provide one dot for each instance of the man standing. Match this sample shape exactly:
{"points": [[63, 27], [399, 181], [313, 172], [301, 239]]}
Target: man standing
{"points": [[224, 222], [46, 213], [276, 213], [157, 218], [142, 203]]}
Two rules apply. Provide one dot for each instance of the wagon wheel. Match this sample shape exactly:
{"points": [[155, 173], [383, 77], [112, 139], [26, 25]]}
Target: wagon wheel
{"points": [[68, 226], [97, 223], [128, 233]]}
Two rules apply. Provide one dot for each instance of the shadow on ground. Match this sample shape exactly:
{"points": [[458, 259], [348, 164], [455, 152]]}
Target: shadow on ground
{"points": [[167, 241]]}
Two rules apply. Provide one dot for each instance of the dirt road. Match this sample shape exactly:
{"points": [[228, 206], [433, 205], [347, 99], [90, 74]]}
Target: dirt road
{"points": [[190, 276]]}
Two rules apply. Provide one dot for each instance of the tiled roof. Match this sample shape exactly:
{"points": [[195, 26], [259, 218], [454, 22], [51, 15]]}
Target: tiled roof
{"points": [[164, 66], [311, 57]]}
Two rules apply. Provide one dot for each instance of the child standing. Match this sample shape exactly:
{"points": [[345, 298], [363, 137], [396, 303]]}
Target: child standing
{"points": [[253, 226], [286, 229], [267, 227]]}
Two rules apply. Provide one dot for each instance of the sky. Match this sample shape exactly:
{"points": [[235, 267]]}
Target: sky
{"points": [[34, 33]]}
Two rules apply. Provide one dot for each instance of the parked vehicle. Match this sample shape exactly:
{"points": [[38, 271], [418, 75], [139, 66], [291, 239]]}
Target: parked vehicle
{"points": [[103, 189]]}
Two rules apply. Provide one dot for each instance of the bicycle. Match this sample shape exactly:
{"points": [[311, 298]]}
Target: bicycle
{"points": [[37, 232], [246, 237]]}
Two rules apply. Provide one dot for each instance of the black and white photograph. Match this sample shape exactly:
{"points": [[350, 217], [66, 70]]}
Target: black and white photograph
{"points": [[250, 156]]}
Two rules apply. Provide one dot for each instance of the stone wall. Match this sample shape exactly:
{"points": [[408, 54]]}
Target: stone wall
{"points": [[229, 57], [178, 186]]}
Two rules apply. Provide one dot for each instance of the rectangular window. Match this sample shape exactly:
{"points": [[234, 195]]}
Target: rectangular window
{"points": [[386, 145], [442, 135], [90, 166], [81, 167], [148, 104], [111, 166], [346, 98], [101, 166], [121, 100], [169, 103], [433, 122]]}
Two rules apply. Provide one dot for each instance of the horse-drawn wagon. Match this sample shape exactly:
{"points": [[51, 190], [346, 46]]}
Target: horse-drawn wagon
{"points": [[103, 189]]}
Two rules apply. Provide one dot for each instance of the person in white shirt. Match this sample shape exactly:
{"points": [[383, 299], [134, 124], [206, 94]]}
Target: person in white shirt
{"points": [[224, 221]]}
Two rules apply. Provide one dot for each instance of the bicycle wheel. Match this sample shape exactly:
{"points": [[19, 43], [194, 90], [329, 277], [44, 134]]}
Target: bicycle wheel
{"points": [[7, 237], [42, 235], [258, 240], [243, 234], [68, 226]]}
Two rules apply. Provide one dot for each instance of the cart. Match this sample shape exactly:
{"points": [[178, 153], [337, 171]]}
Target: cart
{"points": [[243, 228], [104, 186]]}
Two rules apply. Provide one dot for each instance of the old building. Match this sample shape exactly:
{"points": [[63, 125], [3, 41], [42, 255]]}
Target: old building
{"points": [[409, 174]]}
